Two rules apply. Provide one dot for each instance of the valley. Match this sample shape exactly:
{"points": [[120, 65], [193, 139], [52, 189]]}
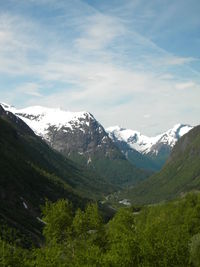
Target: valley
{"points": [[72, 163], [99, 133]]}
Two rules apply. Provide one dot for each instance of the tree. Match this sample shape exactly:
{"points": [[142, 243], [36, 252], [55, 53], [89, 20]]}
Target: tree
{"points": [[58, 220], [88, 237], [195, 250], [123, 249]]}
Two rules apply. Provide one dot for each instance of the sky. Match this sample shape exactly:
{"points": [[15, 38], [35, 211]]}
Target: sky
{"points": [[132, 63]]}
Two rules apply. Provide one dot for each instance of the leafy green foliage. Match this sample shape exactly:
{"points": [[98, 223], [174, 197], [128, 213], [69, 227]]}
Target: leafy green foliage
{"points": [[88, 221], [195, 250], [161, 235], [123, 247], [11, 256], [58, 219]]}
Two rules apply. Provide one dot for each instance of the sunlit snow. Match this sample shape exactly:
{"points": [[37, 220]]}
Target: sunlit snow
{"points": [[144, 144]]}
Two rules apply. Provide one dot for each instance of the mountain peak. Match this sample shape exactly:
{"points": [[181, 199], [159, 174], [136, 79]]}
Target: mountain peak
{"points": [[40, 118], [145, 144], [114, 128], [6, 106], [181, 129]]}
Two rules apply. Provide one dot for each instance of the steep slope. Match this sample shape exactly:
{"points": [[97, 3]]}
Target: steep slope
{"points": [[180, 174], [30, 172], [79, 136], [147, 152]]}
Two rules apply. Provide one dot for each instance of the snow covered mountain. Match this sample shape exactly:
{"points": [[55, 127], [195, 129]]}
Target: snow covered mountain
{"points": [[79, 136], [57, 126], [138, 147], [145, 144]]}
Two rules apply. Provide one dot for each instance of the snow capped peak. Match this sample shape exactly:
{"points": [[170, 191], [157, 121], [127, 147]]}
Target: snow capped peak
{"points": [[181, 129], [114, 128], [45, 111], [171, 136], [7, 106], [145, 144], [39, 118], [42, 120], [133, 138]]}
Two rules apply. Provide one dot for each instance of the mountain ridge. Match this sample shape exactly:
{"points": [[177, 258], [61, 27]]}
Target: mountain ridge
{"points": [[144, 151], [79, 136], [143, 143], [180, 174]]}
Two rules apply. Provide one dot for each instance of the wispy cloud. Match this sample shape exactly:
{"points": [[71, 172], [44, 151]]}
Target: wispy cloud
{"points": [[175, 60], [78, 57], [186, 85], [32, 89], [98, 31]]}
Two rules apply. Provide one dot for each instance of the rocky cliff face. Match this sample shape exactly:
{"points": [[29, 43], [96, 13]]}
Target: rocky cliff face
{"points": [[85, 137]]}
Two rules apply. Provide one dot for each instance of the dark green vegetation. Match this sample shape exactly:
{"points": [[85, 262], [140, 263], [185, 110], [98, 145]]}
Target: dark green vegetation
{"points": [[30, 172], [115, 168], [163, 235], [180, 174]]}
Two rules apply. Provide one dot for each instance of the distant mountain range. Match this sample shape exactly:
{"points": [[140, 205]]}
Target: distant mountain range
{"points": [[181, 174], [79, 136], [147, 152]]}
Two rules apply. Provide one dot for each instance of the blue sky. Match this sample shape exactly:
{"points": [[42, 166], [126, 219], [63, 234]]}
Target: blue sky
{"points": [[132, 63]]}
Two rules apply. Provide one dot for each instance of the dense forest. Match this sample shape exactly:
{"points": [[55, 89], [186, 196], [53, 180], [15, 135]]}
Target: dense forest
{"points": [[158, 235]]}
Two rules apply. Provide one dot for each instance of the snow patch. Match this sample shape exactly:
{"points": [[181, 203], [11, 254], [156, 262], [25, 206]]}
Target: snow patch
{"points": [[125, 202], [25, 205], [89, 160], [40, 220]]}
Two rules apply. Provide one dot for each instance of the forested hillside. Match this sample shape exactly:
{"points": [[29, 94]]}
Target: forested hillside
{"points": [[162, 235]]}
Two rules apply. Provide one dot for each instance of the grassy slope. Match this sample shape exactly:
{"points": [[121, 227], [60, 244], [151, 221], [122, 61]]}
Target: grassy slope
{"points": [[179, 175]]}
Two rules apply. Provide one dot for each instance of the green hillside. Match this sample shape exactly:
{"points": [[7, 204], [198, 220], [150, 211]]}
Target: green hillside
{"points": [[31, 172], [180, 174], [115, 169]]}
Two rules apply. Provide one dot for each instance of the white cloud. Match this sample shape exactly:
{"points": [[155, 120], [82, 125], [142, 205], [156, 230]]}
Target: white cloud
{"points": [[167, 76], [147, 116], [110, 69], [99, 31], [186, 85], [177, 60], [31, 89]]}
